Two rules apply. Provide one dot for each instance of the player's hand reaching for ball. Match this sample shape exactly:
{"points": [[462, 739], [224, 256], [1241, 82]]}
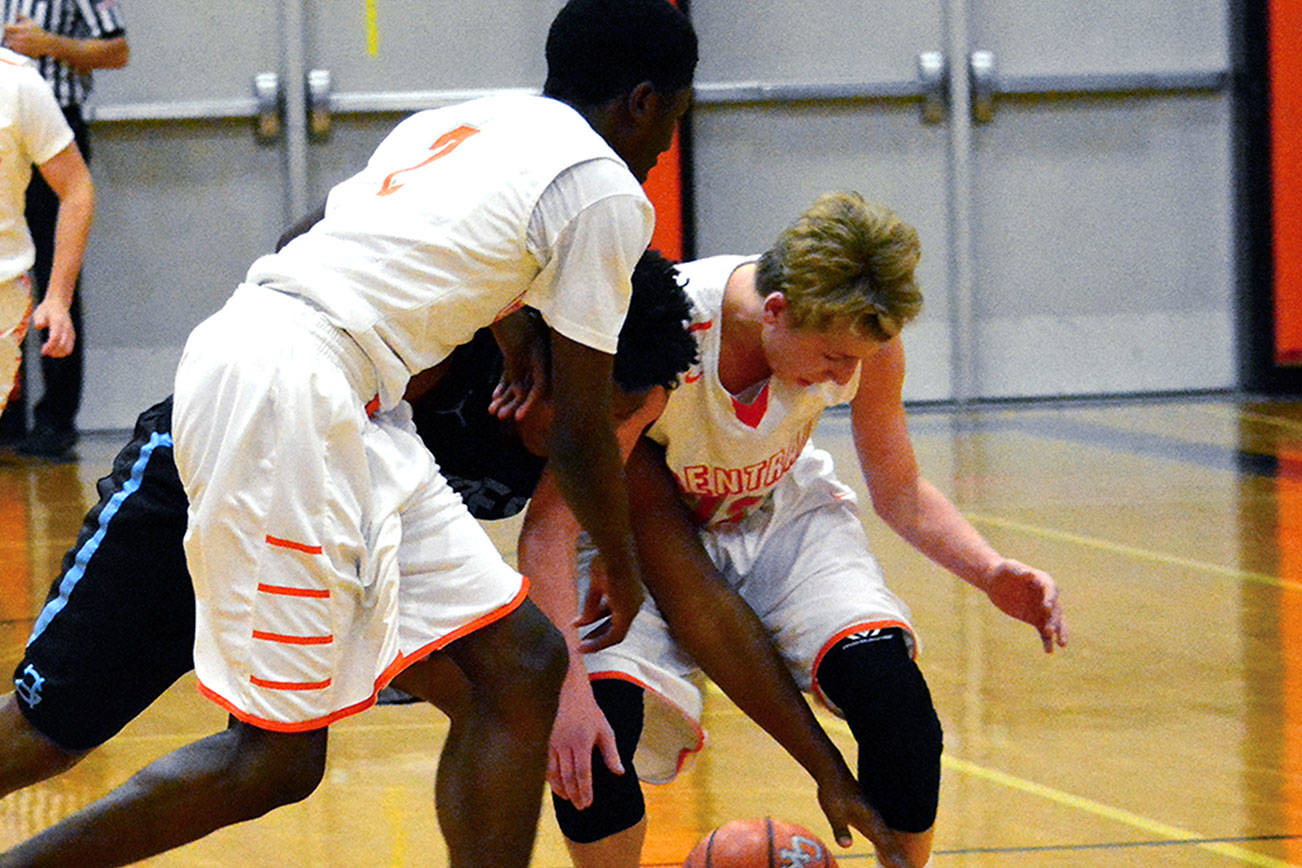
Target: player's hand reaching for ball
{"points": [[845, 806], [1029, 595]]}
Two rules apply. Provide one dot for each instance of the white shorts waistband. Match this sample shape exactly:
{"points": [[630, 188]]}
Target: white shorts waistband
{"points": [[301, 312]]}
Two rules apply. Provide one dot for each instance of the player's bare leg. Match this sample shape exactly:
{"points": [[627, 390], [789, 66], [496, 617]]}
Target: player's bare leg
{"points": [[491, 773], [26, 756], [620, 850], [917, 845], [226, 778]]}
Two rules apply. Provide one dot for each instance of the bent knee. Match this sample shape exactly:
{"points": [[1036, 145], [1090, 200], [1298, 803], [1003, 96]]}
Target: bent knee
{"points": [[542, 647], [886, 702], [267, 770], [522, 657]]}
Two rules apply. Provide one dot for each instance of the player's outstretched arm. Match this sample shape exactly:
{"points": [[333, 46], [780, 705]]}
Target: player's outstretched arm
{"points": [[918, 511], [728, 641], [547, 555], [584, 457]]}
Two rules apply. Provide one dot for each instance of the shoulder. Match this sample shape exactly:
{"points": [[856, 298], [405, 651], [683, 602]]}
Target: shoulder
{"points": [[712, 270], [706, 279]]}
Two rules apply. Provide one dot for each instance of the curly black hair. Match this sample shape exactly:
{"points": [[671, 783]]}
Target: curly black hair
{"points": [[654, 343], [598, 50]]}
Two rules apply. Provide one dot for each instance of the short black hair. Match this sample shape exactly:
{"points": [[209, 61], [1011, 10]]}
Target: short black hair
{"points": [[654, 343], [598, 50]]}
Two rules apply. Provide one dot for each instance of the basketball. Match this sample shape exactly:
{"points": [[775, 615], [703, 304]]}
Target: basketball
{"points": [[760, 843]]}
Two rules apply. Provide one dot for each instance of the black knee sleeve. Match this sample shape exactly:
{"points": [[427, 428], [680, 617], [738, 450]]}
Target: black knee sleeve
{"points": [[873, 680], [617, 799]]}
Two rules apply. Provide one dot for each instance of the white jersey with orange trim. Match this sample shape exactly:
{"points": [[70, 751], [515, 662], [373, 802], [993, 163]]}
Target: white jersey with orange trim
{"points": [[462, 215], [32, 130], [777, 524], [728, 453]]}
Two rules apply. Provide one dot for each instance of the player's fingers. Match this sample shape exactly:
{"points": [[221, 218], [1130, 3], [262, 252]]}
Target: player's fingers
{"points": [[609, 750], [594, 606], [573, 786], [840, 832], [889, 849], [582, 780], [1060, 629], [524, 406], [616, 629], [59, 342], [554, 779], [599, 638]]}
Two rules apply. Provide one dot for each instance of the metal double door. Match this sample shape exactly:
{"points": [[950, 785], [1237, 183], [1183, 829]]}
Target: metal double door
{"points": [[232, 121], [1068, 165]]}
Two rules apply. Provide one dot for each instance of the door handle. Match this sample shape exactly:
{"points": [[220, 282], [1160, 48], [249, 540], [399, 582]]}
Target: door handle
{"points": [[934, 78], [985, 84], [269, 107], [319, 86]]}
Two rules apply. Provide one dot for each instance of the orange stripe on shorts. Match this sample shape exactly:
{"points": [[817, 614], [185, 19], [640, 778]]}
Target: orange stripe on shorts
{"points": [[288, 685], [293, 640], [293, 592], [296, 546]]}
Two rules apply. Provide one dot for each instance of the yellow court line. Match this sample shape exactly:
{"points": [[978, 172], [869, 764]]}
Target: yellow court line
{"points": [[1105, 545], [1119, 815], [395, 812]]}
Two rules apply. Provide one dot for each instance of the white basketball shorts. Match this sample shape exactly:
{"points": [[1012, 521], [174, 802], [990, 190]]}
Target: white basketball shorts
{"points": [[327, 551], [801, 561]]}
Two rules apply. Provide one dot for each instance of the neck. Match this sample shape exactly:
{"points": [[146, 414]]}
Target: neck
{"points": [[742, 363]]}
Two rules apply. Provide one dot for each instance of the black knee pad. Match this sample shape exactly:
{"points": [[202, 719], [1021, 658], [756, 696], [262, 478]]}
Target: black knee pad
{"points": [[872, 678], [617, 799]]}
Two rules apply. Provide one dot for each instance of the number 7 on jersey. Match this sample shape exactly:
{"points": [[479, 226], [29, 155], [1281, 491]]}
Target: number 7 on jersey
{"points": [[443, 145]]}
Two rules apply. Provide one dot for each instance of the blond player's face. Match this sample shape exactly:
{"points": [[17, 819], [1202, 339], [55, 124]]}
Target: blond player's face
{"points": [[804, 357]]}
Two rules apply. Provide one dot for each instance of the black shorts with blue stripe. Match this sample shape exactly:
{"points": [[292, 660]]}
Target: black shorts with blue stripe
{"points": [[117, 628]]}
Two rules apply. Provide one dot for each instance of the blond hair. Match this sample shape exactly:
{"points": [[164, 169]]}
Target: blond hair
{"points": [[845, 259]]}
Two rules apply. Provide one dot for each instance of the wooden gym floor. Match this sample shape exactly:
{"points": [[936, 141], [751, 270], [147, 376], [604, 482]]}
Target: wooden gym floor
{"points": [[1169, 732]]}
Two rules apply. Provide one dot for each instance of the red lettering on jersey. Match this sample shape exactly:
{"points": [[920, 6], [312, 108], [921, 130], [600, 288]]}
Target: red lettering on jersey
{"points": [[727, 480], [696, 479], [705, 508], [701, 326]]}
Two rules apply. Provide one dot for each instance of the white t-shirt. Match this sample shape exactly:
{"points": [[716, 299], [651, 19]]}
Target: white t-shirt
{"points": [[462, 215], [32, 130], [727, 453]]}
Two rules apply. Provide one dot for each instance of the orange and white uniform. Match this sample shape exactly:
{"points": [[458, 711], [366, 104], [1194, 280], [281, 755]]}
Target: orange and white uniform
{"points": [[326, 549], [777, 523], [32, 130]]}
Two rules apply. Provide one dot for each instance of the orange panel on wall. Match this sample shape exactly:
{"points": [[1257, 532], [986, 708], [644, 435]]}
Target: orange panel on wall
{"points": [[664, 187], [1285, 58]]}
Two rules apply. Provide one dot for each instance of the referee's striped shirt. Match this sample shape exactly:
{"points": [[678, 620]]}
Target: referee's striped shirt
{"points": [[79, 19]]}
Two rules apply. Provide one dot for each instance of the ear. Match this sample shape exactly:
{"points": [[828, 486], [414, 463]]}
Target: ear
{"points": [[642, 101], [775, 305]]}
